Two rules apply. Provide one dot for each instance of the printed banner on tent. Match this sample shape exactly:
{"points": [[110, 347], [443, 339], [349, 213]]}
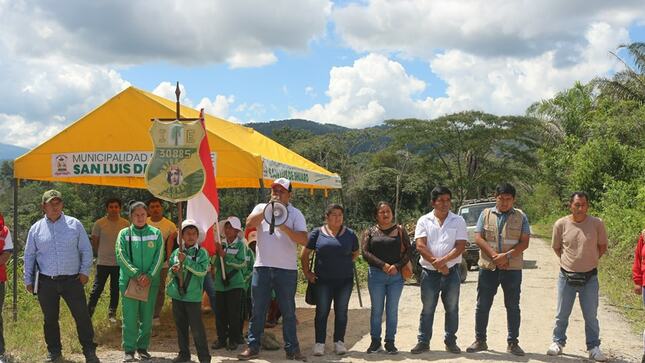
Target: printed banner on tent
{"points": [[104, 163], [273, 170], [175, 172]]}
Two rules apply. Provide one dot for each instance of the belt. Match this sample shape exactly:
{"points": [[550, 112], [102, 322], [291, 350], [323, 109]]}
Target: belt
{"points": [[58, 277], [451, 269]]}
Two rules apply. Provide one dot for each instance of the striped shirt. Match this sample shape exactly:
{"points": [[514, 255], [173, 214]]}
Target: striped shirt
{"points": [[59, 247]]}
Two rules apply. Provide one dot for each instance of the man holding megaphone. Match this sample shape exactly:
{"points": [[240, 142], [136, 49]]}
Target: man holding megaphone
{"points": [[280, 227]]}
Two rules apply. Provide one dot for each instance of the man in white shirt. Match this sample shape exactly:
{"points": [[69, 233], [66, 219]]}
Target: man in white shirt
{"points": [[441, 239], [276, 268]]}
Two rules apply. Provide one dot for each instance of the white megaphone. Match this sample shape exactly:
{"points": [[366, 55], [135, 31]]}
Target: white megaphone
{"points": [[275, 214]]}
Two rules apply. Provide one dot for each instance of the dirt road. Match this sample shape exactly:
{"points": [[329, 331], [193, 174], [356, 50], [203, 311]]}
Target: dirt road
{"points": [[619, 342]]}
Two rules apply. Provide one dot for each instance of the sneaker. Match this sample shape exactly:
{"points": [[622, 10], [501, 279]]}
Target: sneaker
{"points": [[143, 354], [514, 348], [53, 357], [248, 354], [339, 347], [129, 357], [375, 346], [420, 348], [477, 346], [92, 358], [319, 349], [596, 354], [554, 349], [181, 359], [219, 344], [296, 355], [156, 321], [453, 348], [390, 348]]}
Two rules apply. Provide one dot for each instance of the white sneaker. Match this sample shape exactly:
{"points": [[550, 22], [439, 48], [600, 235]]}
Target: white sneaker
{"points": [[156, 322], [596, 354], [554, 349], [319, 349], [339, 347]]}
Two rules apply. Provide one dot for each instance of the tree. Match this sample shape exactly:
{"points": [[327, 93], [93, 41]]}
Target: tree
{"points": [[628, 84]]}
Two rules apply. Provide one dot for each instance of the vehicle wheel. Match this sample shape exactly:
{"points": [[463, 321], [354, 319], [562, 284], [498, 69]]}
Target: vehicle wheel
{"points": [[463, 270]]}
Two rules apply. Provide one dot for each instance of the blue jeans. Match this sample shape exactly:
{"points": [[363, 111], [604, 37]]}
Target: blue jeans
{"points": [[434, 283], [264, 280], [209, 287], [588, 297], [338, 290], [487, 285], [385, 292]]}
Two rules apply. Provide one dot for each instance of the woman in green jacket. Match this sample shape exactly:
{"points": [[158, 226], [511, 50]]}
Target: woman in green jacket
{"points": [[228, 291], [191, 264], [139, 253]]}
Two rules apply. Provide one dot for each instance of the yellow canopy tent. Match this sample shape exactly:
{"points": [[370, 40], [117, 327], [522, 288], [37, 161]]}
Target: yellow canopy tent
{"points": [[111, 146]]}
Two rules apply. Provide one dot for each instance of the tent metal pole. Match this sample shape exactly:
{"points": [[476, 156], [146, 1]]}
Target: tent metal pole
{"points": [[358, 287], [15, 249], [260, 190]]}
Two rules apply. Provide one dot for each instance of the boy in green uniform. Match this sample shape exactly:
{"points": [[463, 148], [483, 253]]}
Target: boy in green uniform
{"points": [[228, 292], [192, 264], [139, 253]]}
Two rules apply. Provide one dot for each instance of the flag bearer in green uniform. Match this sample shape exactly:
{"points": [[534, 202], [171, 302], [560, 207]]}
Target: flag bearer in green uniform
{"points": [[192, 264], [228, 292], [139, 253]]}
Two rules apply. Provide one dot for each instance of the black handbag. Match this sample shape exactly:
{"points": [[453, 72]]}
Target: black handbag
{"points": [[578, 279], [310, 294]]}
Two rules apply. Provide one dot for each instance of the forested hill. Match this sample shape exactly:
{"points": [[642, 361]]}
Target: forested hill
{"points": [[10, 152], [314, 128]]}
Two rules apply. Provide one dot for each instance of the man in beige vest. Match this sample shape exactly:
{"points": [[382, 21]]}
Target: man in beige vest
{"points": [[502, 234]]}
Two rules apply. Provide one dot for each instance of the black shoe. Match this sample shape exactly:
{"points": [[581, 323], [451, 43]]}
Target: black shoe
{"points": [[477, 346], [92, 358], [219, 344], [453, 348], [143, 354], [390, 348], [375, 346], [233, 346], [296, 355], [181, 359], [248, 354], [420, 348], [514, 348], [53, 357], [129, 357], [643, 359]]}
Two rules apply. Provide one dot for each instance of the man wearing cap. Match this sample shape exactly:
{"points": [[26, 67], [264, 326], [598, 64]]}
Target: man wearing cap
{"points": [[276, 268], [58, 258], [229, 286], [192, 264], [169, 234]]}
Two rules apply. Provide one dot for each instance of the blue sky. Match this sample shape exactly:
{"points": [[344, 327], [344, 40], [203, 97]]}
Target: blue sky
{"points": [[351, 63]]}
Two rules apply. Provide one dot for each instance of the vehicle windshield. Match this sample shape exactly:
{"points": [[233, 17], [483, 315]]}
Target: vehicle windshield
{"points": [[471, 213]]}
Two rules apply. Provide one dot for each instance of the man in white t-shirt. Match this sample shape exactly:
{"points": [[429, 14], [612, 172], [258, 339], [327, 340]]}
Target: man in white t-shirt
{"points": [[441, 239], [276, 268], [169, 234], [104, 234]]}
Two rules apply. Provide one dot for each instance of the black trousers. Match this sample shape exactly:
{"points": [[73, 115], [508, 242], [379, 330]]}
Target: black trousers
{"points": [[102, 274], [227, 316], [189, 315], [71, 290]]}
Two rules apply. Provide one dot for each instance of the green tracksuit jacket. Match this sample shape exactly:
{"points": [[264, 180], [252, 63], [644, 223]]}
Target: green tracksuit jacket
{"points": [[235, 262], [196, 263], [138, 251]]}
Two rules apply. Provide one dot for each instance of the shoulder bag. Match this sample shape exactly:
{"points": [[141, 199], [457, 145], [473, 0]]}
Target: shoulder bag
{"points": [[406, 270]]}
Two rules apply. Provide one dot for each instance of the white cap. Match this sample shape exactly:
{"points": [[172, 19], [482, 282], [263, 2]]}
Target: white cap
{"points": [[234, 221], [191, 222], [283, 182]]}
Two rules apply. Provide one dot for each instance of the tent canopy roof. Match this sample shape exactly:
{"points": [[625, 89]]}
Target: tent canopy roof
{"points": [[110, 146]]}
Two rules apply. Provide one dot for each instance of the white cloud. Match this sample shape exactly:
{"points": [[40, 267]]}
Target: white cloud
{"points": [[310, 91], [376, 88], [218, 107], [18, 131], [167, 90], [242, 33]]}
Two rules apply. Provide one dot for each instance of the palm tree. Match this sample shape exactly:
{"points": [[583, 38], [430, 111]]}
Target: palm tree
{"points": [[628, 84]]}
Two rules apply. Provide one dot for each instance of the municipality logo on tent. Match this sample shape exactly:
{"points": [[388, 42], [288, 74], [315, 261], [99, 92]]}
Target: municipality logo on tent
{"points": [[175, 172]]}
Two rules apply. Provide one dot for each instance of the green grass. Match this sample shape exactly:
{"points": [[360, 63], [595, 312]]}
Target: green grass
{"points": [[24, 339]]}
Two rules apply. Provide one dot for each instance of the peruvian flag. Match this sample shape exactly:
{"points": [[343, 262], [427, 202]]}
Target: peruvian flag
{"points": [[204, 207]]}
